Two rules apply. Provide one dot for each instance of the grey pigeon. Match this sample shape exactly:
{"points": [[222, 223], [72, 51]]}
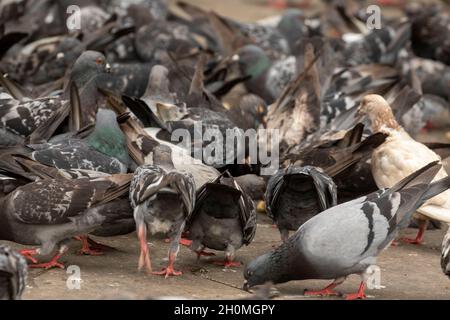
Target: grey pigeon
{"points": [[445, 258], [13, 274], [21, 115], [296, 194], [346, 239], [224, 219], [268, 78], [163, 199], [51, 211]]}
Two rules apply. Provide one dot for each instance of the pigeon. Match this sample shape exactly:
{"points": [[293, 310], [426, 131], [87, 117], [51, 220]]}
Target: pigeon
{"points": [[268, 78], [49, 212], [250, 113], [296, 194], [104, 149], [346, 239], [430, 32], [13, 274], [163, 200], [224, 219], [399, 156], [445, 257], [22, 115]]}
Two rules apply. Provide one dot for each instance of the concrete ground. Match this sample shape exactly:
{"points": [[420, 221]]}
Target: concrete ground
{"points": [[407, 272]]}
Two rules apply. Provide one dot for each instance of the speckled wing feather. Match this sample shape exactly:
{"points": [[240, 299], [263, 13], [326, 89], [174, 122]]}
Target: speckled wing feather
{"points": [[445, 258], [247, 214], [55, 201], [23, 118], [75, 154], [13, 274], [149, 179]]}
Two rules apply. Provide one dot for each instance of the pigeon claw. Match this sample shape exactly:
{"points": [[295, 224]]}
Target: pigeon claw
{"points": [[28, 254], [359, 295], [411, 241], [185, 242], [167, 272], [227, 263], [90, 252], [48, 265]]}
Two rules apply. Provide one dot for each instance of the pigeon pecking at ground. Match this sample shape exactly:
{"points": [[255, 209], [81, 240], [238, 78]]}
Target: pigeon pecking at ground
{"points": [[224, 219], [51, 211], [163, 199], [346, 239]]}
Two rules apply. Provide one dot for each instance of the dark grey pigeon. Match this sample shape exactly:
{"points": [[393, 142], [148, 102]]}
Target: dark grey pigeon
{"points": [[163, 199], [346, 239], [13, 274], [268, 78], [51, 211], [21, 115], [445, 258], [224, 219], [296, 194], [103, 150]]}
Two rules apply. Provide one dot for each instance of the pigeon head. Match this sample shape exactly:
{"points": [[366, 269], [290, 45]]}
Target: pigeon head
{"points": [[379, 112], [88, 67], [253, 61], [291, 24], [108, 138], [260, 271]]}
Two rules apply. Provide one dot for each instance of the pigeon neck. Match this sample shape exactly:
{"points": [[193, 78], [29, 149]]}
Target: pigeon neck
{"points": [[259, 67], [384, 121], [108, 139]]}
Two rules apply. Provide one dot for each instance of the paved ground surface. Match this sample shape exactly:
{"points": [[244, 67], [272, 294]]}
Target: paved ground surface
{"points": [[407, 271]]}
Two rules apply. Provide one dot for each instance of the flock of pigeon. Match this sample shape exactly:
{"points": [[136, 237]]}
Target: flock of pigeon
{"points": [[87, 115]]}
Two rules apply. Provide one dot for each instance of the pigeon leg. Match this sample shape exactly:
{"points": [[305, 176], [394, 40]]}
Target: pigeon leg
{"points": [[173, 251], [327, 291], [419, 238], [86, 248], [229, 256], [29, 253], [144, 258], [200, 251], [359, 295], [53, 263], [284, 234]]}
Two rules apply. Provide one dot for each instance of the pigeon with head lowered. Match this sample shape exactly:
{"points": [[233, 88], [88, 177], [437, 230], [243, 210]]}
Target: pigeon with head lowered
{"points": [[399, 156], [13, 274], [347, 239], [163, 199], [296, 194], [51, 211], [224, 219]]}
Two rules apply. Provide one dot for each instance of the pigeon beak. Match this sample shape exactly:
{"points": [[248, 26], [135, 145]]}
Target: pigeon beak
{"points": [[60, 55], [235, 58], [108, 68], [246, 287]]}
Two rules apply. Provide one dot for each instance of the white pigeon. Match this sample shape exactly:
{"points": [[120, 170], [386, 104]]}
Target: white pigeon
{"points": [[399, 156]]}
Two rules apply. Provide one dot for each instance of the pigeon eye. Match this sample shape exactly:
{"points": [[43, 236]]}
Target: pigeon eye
{"points": [[99, 61]]}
